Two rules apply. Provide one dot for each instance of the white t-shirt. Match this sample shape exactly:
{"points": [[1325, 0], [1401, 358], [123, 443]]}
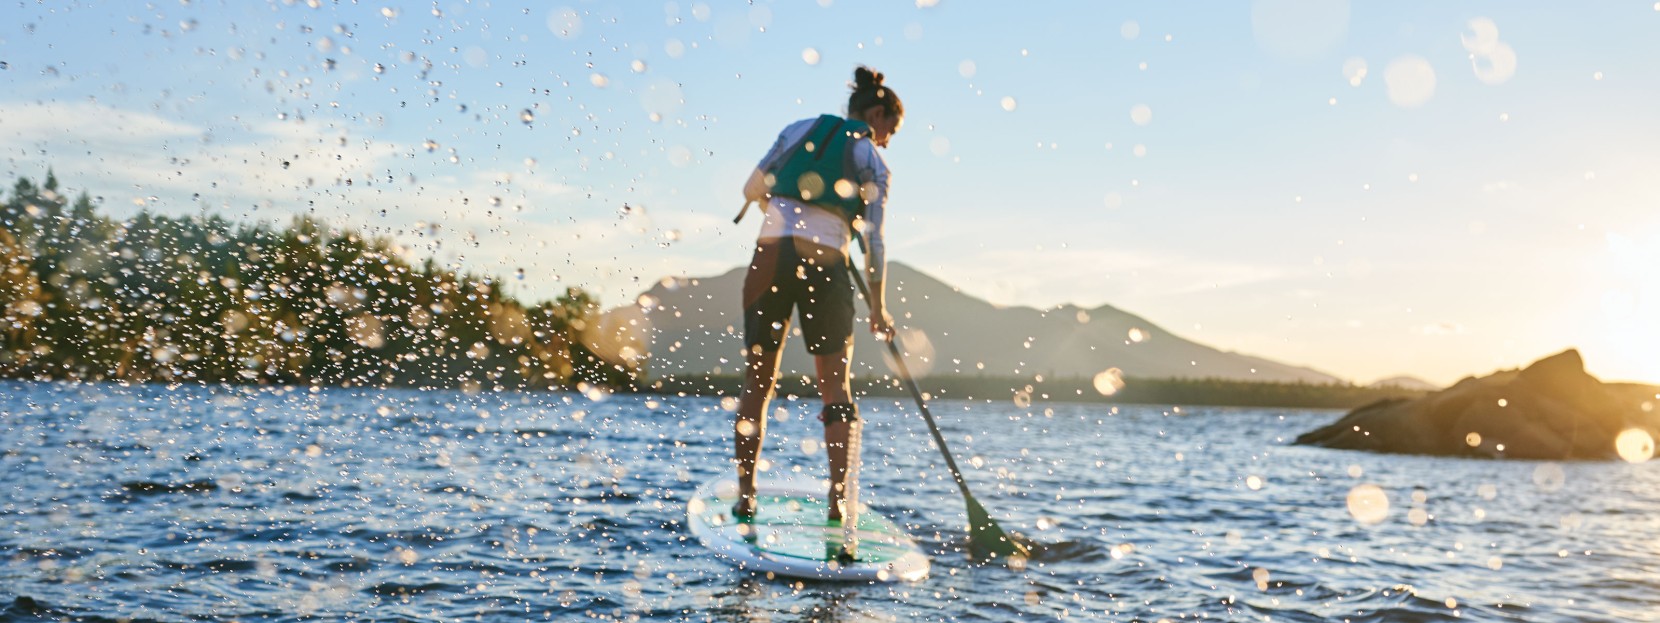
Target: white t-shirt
{"points": [[786, 217]]}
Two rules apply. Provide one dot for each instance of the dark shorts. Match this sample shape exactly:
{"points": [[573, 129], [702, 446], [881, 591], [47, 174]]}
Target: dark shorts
{"points": [[780, 279]]}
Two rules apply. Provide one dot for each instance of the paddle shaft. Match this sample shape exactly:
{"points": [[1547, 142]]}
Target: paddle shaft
{"points": [[916, 393]]}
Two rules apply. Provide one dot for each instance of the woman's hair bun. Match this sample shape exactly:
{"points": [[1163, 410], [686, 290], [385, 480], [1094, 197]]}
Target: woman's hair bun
{"points": [[868, 91], [865, 78]]}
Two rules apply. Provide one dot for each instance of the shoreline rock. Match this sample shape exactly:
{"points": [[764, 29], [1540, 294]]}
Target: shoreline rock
{"points": [[1550, 410]]}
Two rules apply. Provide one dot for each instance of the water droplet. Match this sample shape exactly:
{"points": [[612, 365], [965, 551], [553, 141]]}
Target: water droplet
{"points": [[1635, 445], [526, 116], [1495, 67], [1354, 70], [599, 80], [1109, 381], [1130, 30], [1410, 80], [810, 56], [565, 23], [1417, 516], [1368, 503], [1482, 37], [938, 145], [1141, 114], [1009, 104], [1549, 477]]}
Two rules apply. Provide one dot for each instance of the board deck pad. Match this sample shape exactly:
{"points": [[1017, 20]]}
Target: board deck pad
{"points": [[790, 535]]}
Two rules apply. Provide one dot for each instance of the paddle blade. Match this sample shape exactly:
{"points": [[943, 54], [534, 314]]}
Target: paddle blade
{"points": [[986, 539]]}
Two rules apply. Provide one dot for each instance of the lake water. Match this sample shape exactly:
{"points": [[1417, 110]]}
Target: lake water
{"points": [[155, 503]]}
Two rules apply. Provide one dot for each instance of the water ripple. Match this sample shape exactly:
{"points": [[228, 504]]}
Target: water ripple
{"points": [[284, 504]]}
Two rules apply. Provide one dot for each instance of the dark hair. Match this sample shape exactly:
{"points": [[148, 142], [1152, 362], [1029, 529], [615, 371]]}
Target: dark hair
{"points": [[868, 91]]}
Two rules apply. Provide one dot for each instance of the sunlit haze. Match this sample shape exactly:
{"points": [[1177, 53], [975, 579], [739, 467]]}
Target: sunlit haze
{"points": [[1369, 189]]}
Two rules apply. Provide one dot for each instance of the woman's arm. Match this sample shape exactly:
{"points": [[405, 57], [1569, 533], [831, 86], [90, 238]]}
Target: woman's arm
{"points": [[756, 189], [873, 186]]}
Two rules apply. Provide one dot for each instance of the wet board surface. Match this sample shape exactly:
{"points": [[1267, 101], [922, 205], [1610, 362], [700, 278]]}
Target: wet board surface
{"points": [[789, 535]]}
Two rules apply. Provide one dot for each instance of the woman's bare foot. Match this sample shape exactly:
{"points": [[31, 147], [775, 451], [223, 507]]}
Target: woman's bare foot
{"points": [[744, 508]]}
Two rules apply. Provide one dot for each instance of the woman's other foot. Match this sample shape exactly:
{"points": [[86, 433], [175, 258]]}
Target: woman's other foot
{"points": [[744, 508]]}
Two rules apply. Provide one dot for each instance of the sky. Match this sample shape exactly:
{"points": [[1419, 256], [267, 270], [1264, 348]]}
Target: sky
{"points": [[1370, 189]]}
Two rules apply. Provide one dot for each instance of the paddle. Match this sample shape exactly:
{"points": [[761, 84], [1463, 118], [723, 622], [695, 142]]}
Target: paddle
{"points": [[986, 539]]}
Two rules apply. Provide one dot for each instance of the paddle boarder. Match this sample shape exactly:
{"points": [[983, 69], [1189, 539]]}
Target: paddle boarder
{"points": [[822, 185]]}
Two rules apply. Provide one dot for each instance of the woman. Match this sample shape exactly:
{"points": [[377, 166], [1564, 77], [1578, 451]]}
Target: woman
{"points": [[823, 184]]}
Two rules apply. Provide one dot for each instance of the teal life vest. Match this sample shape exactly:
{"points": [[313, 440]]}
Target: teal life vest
{"points": [[819, 169]]}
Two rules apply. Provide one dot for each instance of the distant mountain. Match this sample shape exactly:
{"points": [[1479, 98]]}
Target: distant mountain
{"points": [[692, 326], [1406, 382]]}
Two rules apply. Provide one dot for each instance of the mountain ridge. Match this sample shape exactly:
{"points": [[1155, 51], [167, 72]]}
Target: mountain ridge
{"points": [[691, 325]]}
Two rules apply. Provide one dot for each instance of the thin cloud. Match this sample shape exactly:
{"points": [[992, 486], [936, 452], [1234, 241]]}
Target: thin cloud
{"points": [[1053, 277], [484, 220], [1442, 328]]}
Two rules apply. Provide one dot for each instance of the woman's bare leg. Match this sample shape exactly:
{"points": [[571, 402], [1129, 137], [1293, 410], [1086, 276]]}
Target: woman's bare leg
{"points": [[833, 389], [750, 429]]}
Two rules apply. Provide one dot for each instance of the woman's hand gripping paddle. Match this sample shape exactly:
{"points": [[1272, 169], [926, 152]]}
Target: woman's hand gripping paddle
{"points": [[986, 539]]}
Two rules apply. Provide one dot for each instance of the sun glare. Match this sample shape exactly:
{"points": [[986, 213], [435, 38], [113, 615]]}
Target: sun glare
{"points": [[1630, 301]]}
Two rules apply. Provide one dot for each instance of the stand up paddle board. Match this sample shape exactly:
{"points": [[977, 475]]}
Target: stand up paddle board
{"points": [[789, 535]]}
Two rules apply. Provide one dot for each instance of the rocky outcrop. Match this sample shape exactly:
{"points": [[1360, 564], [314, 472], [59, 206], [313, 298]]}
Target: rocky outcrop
{"points": [[1551, 410]]}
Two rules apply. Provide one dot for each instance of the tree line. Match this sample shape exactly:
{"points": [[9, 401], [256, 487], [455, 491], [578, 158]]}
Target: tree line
{"points": [[156, 298], [1030, 390], [201, 299]]}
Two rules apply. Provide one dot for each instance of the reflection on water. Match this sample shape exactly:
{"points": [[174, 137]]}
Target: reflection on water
{"points": [[156, 503]]}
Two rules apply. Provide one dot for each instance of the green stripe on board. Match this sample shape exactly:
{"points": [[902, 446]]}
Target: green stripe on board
{"points": [[795, 526]]}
